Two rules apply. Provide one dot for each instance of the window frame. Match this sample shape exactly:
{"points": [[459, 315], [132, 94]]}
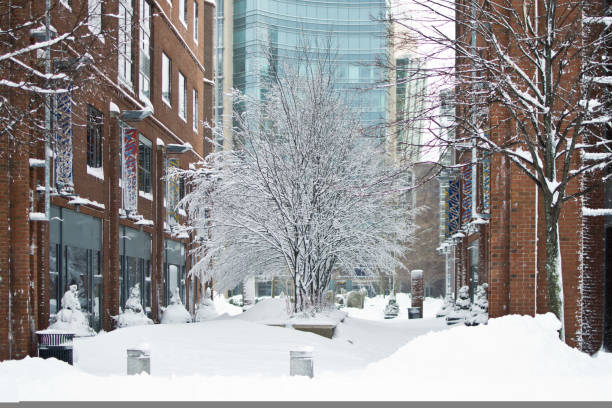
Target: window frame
{"points": [[166, 79], [182, 96], [183, 12], [145, 175], [95, 133], [124, 43], [144, 47], [195, 109], [196, 22]]}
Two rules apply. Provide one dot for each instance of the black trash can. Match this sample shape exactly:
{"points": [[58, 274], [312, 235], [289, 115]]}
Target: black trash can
{"points": [[54, 343], [414, 313]]}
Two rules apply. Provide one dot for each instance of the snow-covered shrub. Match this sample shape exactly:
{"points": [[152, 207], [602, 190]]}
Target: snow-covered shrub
{"points": [[392, 308], [70, 318], [133, 314], [355, 299], [447, 306], [462, 307], [206, 308], [175, 313], [479, 313]]}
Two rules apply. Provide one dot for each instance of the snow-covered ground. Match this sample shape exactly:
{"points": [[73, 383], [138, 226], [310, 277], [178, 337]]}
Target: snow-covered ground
{"points": [[234, 358]]}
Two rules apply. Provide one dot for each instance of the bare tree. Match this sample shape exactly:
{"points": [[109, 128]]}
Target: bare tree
{"points": [[542, 66], [306, 194]]}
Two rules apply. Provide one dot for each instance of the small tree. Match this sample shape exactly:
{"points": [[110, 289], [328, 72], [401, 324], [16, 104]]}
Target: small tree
{"points": [[305, 193]]}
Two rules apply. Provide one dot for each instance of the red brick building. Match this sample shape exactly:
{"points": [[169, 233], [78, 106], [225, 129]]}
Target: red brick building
{"points": [[112, 218], [498, 234]]}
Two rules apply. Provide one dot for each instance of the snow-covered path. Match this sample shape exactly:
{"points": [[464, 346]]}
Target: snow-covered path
{"points": [[232, 346]]}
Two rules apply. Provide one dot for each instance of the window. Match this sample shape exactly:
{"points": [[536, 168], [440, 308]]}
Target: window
{"points": [[94, 20], [196, 22], [94, 137], [195, 110], [125, 42], [145, 51], [182, 102], [166, 78], [145, 155], [183, 11]]}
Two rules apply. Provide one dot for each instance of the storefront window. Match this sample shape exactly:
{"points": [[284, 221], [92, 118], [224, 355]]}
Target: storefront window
{"points": [[135, 255], [175, 270]]}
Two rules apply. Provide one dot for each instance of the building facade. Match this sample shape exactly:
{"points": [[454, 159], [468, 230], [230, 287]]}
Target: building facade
{"points": [[247, 29], [112, 221], [493, 232]]}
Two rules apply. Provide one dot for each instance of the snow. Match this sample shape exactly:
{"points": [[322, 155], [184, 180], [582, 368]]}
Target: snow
{"points": [[85, 201], [511, 358], [114, 108], [37, 216], [97, 172], [37, 163], [147, 196], [596, 212], [159, 142]]}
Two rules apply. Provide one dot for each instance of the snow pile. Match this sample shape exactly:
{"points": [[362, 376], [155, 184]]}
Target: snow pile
{"points": [[325, 317], [206, 308], [175, 313], [133, 314], [511, 358], [224, 307], [268, 311], [462, 307], [70, 318], [479, 312]]}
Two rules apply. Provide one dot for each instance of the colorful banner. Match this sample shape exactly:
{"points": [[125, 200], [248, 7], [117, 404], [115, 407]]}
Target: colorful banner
{"points": [[454, 206], [63, 143], [129, 171], [486, 185], [466, 199], [173, 194]]}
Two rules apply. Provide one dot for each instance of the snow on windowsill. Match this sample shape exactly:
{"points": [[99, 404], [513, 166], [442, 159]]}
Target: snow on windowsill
{"points": [[85, 201], [145, 195], [37, 216], [144, 221], [97, 172]]}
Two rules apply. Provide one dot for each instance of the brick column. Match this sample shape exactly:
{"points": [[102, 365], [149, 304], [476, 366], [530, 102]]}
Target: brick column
{"points": [[4, 247], [158, 235], [416, 289], [111, 231]]}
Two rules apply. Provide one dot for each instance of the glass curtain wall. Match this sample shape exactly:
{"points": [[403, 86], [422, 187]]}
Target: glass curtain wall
{"points": [[75, 259], [135, 262], [354, 28]]}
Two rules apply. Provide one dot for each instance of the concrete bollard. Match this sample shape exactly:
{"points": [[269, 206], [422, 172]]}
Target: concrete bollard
{"points": [[138, 361], [301, 363]]}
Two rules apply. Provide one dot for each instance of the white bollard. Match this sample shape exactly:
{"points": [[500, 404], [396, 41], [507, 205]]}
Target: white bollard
{"points": [[301, 363], [138, 361]]}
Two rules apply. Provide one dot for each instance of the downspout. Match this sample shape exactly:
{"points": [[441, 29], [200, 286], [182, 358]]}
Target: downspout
{"points": [[535, 279]]}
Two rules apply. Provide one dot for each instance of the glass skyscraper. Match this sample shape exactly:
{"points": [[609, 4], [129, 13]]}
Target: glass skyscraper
{"points": [[245, 29]]}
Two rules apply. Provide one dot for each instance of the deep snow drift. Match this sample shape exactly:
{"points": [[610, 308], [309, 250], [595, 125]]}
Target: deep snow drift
{"points": [[513, 358]]}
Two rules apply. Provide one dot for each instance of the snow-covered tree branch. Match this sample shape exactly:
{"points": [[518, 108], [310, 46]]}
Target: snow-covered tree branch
{"points": [[305, 194]]}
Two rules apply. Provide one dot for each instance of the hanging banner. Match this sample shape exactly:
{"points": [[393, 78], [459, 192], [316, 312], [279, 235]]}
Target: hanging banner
{"points": [[466, 199], [63, 143], [486, 185], [173, 193], [129, 171], [444, 209], [454, 206]]}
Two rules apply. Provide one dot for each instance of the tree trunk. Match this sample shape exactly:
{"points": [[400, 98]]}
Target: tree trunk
{"points": [[554, 278]]}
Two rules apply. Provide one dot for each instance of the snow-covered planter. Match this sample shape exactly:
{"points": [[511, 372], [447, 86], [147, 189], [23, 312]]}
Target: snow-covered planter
{"points": [[462, 307], [175, 313], [479, 313], [206, 308], [133, 314], [70, 318]]}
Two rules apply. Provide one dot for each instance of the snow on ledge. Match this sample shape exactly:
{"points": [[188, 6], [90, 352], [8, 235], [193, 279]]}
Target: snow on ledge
{"points": [[159, 142], [114, 108], [85, 201], [37, 216], [144, 221], [37, 163], [97, 172], [144, 195], [596, 212]]}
